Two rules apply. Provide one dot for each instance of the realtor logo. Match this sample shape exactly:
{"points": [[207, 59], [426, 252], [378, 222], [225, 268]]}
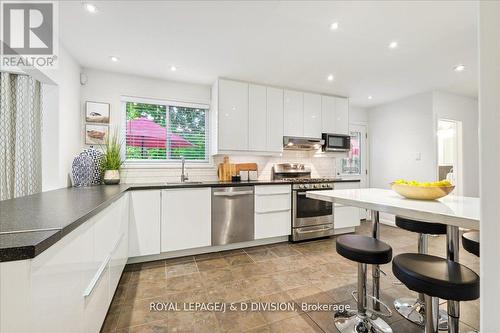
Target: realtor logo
{"points": [[28, 33]]}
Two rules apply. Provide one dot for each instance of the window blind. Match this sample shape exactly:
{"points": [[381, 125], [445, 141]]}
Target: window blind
{"points": [[166, 131]]}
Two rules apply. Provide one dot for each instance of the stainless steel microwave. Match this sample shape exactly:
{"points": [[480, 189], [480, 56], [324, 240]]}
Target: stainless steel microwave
{"points": [[336, 142]]}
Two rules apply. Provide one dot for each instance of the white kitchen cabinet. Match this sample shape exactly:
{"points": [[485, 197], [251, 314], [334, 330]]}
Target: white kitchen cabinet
{"points": [[335, 115], [272, 211], [274, 120], [341, 116], [232, 115], [327, 114], [257, 117], [68, 287], [312, 115], [186, 218], [293, 113], [144, 223], [346, 216]]}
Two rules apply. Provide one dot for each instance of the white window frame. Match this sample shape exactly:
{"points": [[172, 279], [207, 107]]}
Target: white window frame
{"points": [[139, 164]]}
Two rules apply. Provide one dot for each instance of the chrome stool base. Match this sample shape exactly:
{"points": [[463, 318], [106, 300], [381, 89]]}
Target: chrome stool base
{"points": [[414, 310], [352, 322]]}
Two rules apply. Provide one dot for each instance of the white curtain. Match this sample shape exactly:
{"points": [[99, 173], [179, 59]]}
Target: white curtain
{"points": [[20, 136]]}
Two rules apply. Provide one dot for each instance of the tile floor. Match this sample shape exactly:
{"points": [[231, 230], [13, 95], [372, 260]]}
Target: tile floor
{"points": [[308, 272]]}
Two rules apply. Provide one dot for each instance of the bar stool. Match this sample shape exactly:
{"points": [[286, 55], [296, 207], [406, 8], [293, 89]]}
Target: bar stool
{"points": [[436, 278], [364, 250], [413, 309], [470, 242]]}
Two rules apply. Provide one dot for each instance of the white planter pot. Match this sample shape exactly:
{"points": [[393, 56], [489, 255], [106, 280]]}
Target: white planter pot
{"points": [[111, 177]]}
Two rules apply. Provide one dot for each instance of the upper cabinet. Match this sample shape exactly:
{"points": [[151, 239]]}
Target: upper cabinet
{"points": [[257, 117], [312, 115], [293, 111], [233, 115], [274, 124], [335, 115], [254, 118]]}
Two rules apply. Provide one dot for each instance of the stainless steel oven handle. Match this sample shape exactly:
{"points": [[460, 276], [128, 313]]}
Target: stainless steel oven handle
{"points": [[316, 230], [232, 194]]}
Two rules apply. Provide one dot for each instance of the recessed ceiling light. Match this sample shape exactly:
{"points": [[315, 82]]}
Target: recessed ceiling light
{"points": [[173, 68], [393, 45], [334, 26], [113, 58], [459, 68], [330, 77], [90, 8], [370, 97]]}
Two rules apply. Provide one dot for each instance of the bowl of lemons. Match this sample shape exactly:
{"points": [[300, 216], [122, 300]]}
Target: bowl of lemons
{"points": [[412, 189]]}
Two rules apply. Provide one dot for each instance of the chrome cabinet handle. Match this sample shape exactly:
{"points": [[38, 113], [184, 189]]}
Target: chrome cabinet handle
{"points": [[232, 194], [273, 211], [311, 231]]}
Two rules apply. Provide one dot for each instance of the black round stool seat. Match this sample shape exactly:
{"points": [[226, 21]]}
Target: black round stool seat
{"points": [[421, 227], [436, 277], [364, 249], [470, 241]]}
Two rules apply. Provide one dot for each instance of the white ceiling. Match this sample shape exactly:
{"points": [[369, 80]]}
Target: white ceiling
{"points": [[284, 43]]}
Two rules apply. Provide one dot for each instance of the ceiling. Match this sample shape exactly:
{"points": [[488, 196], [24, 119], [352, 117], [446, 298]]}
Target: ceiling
{"points": [[284, 43]]}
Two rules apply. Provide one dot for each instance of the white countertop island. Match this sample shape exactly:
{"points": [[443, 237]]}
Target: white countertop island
{"points": [[451, 210]]}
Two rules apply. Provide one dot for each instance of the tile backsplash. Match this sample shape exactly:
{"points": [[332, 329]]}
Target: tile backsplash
{"points": [[322, 165]]}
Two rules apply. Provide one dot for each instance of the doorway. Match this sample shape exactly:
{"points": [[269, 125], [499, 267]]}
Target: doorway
{"points": [[449, 140]]}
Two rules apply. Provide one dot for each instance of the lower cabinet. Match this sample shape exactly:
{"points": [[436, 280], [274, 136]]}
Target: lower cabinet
{"points": [[68, 287], [144, 225], [346, 216], [272, 211], [186, 218]]}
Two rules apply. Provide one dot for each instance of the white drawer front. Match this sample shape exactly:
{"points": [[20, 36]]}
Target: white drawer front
{"points": [[272, 224], [346, 185], [272, 189], [272, 203], [96, 304]]}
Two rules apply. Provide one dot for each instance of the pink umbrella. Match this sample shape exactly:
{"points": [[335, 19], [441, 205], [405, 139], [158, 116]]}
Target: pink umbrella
{"points": [[146, 133]]}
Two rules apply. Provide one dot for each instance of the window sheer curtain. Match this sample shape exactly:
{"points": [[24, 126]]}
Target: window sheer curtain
{"points": [[20, 136]]}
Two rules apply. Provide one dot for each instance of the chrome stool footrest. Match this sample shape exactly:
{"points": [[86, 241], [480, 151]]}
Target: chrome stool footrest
{"points": [[352, 322], [413, 310]]}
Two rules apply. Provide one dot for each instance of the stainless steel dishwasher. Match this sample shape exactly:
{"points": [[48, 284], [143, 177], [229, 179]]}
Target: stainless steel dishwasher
{"points": [[232, 214]]}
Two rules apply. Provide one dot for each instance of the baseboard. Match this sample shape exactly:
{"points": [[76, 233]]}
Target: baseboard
{"points": [[207, 249]]}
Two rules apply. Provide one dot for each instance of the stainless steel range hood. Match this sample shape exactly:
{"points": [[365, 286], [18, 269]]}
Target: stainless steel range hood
{"points": [[299, 143]]}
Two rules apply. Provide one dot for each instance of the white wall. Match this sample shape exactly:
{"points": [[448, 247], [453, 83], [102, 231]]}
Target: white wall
{"points": [[398, 132], [464, 109], [61, 138], [489, 114], [358, 114]]}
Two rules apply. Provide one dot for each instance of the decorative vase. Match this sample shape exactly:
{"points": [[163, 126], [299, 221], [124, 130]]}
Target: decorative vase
{"points": [[112, 177]]}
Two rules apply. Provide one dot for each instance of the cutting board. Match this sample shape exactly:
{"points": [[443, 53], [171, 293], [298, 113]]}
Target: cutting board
{"points": [[226, 170]]}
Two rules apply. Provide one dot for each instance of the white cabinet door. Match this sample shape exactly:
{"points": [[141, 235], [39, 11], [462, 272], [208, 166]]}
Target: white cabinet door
{"points": [[257, 118], [274, 120], [186, 219], [345, 217], [144, 223], [293, 113], [272, 211], [327, 114], [341, 116], [312, 115], [233, 115]]}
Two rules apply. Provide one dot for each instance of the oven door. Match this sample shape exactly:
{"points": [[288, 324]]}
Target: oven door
{"points": [[308, 212]]}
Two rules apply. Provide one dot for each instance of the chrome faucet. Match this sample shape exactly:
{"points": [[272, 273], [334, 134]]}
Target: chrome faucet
{"points": [[184, 175]]}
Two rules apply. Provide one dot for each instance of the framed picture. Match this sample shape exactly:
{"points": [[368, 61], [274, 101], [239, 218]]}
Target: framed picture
{"points": [[96, 134], [96, 112]]}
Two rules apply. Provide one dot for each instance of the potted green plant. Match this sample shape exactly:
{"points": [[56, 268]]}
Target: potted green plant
{"points": [[112, 160]]}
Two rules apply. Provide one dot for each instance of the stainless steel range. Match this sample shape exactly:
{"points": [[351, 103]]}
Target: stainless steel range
{"points": [[311, 218]]}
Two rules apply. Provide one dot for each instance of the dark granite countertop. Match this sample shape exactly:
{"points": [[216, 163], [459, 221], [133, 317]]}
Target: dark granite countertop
{"points": [[31, 224]]}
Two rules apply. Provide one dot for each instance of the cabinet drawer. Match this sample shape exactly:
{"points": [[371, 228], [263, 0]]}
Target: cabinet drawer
{"points": [[272, 203], [346, 185], [263, 190], [273, 224], [96, 304]]}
